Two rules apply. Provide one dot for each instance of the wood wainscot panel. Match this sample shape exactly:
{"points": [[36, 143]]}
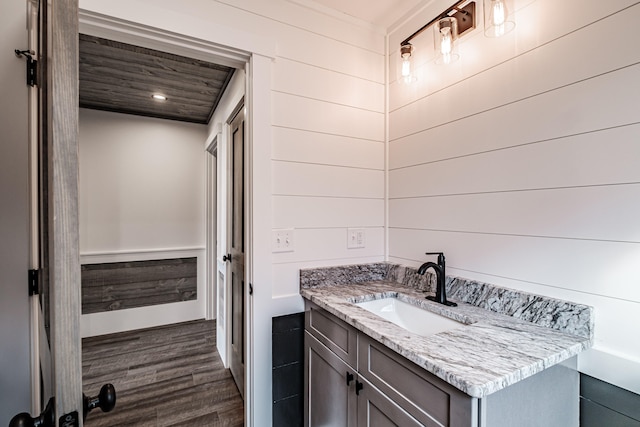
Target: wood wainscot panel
{"points": [[120, 285]]}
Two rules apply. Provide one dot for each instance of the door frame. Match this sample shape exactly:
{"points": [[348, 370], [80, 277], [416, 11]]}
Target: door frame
{"points": [[229, 46], [211, 226]]}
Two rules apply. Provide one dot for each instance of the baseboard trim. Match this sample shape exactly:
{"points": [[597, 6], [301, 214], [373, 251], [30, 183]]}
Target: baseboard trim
{"points": [[111, 322]]}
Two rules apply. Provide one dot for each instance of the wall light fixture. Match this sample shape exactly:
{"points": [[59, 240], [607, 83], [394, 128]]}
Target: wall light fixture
{"points": [[449, 25]]}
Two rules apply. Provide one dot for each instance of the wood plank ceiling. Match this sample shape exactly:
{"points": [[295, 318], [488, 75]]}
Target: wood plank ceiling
{"points": [[122, 78]]}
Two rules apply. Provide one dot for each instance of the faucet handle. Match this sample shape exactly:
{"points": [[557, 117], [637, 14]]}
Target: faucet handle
{"points": [[440, 256]]}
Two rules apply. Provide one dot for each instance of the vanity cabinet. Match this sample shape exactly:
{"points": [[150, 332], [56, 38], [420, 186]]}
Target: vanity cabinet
{"points": [[353, 380]]}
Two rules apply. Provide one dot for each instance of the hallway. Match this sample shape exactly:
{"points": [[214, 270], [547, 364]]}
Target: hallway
{"points": [[165, 376]]}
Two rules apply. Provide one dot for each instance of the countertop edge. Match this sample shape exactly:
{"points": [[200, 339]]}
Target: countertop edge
{"points": [[402, 341]]}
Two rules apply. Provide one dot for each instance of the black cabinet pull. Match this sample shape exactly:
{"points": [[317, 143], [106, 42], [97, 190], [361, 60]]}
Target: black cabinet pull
{"points": [[359, 386], [349, 378]]}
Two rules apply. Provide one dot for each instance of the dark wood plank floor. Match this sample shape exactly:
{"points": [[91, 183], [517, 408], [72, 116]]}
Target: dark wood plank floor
{"points": [[165, 376]]}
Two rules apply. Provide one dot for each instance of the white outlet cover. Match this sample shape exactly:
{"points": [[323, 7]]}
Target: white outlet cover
{"points": [[355, 238]]}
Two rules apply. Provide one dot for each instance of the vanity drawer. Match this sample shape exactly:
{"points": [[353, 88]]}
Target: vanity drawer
{"points": [[337, 335], [426, 397]]}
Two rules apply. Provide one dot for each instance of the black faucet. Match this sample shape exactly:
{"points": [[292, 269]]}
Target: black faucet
{"points": [[441, 296]]}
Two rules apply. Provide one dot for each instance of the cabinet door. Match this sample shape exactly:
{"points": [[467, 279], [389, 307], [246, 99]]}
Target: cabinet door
{"points": [[429, 399], [337, 335], [330, 400], [377, 410]]}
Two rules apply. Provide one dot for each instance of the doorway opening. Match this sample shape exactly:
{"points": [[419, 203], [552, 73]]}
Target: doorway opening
{"points": [[235, 243], [202, 40]]}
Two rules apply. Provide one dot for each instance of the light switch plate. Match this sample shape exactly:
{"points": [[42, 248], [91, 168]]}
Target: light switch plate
{"points": [[356, 238], [283, 240]]}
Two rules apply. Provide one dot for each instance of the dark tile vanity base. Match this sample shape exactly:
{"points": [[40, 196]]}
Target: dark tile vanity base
{"points": [[287, 373], [603, 404]]}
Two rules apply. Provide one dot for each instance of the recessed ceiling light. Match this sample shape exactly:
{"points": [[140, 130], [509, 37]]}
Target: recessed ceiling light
{"points": [[159, 97]]}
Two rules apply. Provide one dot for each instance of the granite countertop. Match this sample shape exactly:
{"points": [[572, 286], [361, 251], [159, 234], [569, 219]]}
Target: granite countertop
{"points": [[490, 352]]}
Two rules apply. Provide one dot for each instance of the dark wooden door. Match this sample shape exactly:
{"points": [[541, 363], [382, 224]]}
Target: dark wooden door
{"points": [[237, 246]]}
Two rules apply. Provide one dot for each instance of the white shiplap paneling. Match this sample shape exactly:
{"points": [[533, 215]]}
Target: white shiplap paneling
{"points": [[296, 112], [326, 212], [324, 149], [528, 213], [301, 179], [302, 18], [532, 182], [606, 157], [319, 83], [549, 114]]}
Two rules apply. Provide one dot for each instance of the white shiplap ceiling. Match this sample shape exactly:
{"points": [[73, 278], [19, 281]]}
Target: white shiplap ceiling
{"points": [[380, 13]]}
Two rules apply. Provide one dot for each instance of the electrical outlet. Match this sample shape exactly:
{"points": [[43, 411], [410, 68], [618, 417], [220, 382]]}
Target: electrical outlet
{"points": [[283, 240], [355, 238]]}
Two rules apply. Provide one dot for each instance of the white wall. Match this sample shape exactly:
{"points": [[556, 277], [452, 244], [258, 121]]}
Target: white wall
{"points": [[520, 162], [15, 380], [141, 197], [141, 183]]}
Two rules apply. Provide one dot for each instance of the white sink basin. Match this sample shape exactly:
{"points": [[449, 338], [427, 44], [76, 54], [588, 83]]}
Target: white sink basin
{"points": [[407, 316]]}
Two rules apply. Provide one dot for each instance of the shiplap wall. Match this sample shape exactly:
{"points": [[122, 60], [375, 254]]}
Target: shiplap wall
{"points": [[328, 146], [521, 162]]}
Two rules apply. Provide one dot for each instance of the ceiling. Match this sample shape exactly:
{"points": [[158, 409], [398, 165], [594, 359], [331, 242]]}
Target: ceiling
{"points": [[122, 78], [381, 13]]}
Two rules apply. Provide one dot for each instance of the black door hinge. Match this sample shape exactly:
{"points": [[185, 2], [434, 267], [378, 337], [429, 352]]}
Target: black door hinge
{"points": [[33, 283], [32, 66], [250, 289]]}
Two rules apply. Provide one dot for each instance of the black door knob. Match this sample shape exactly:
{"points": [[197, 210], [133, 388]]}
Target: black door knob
{"points": [[45, 419], [106, 400], [226, 257]]}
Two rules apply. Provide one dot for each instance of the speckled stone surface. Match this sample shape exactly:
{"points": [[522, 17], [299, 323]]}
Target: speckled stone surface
{"points": [[487, 353], [549, 312]]}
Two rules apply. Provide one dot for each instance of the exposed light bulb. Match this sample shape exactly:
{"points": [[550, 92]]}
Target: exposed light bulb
{"points": [[446, 44], [496, 23], [498, 13], [445, 35], [405, 54], [498, 17], [406, 67]]}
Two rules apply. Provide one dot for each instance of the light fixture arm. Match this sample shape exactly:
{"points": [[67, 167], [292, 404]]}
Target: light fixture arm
{"points": [[468, 9]]}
